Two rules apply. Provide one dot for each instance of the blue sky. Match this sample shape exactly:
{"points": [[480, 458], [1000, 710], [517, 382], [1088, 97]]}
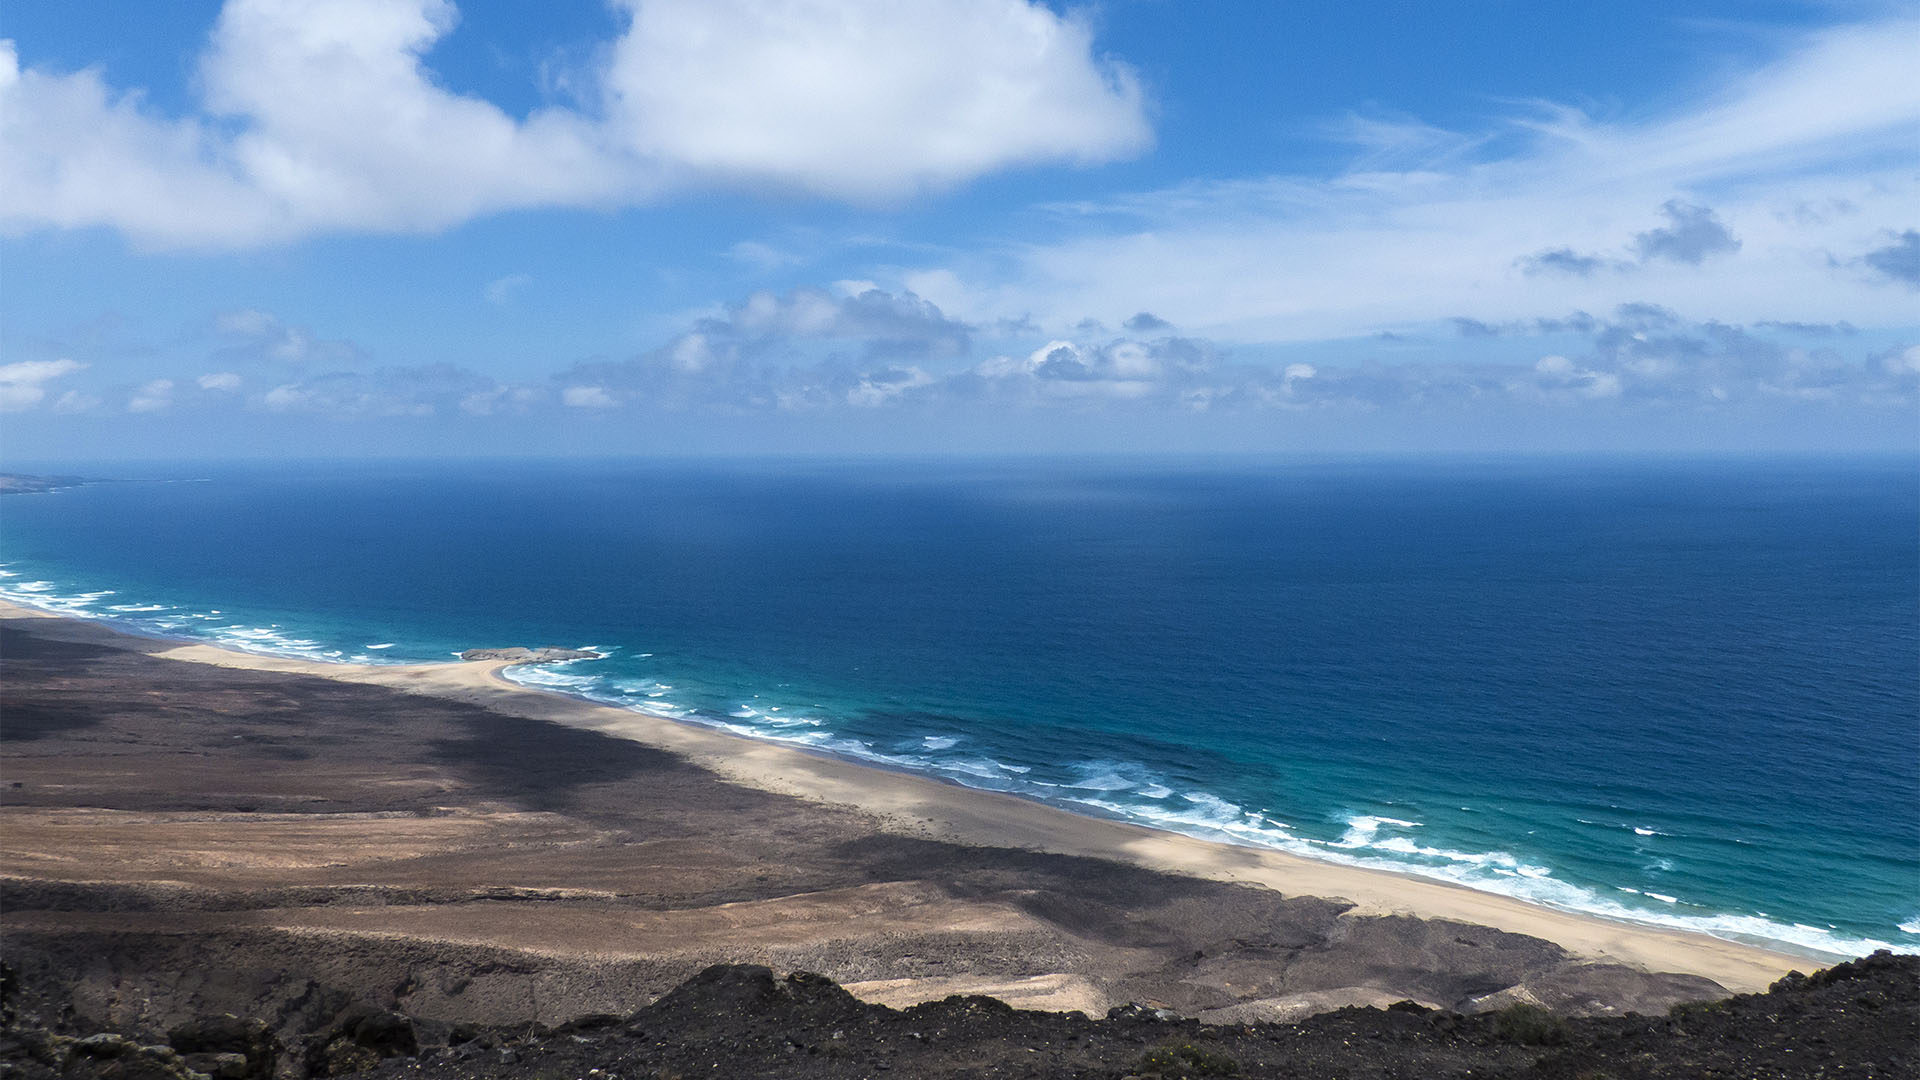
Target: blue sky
{"points": [[345, 227]]}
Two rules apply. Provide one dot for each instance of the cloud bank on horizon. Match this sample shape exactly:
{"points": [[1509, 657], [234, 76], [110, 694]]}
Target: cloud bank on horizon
{"points": [[1749, 250]]}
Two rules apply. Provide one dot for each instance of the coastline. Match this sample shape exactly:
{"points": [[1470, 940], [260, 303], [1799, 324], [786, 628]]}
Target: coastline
{"points": [[909, 805]]}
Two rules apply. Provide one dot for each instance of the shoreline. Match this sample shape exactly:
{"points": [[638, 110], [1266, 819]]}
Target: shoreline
{"points": [[913, 805]]}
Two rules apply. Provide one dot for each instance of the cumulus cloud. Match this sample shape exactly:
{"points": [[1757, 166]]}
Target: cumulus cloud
{"points": [[501, 290], [808, 351], [587, 397], [256, 337], [23, 384], [884, 324], [73, 401], [876, 388], [1643, 359], [422, 391], [1691, 234], [499, 399], [1808, 329], [1560, 373], [321, 115], [155, 396], [316, 115], [1562, 261], [1898, 363], [1123, 368], [867, 100], [814, 351], [864, 348], [1900, 260]]}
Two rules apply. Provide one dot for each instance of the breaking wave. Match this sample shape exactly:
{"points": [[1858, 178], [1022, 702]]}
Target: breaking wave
{"points": [[1116, 788]]}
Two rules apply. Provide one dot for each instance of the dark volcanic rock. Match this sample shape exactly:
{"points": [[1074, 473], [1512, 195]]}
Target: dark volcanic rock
{"points": [[1433, 960], [744, 1007], [359, 1039], [1602, 990], [1860, 1019], [251, 1041]]}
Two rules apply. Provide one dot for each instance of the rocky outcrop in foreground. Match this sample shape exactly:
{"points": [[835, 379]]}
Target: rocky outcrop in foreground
{"points": [[1858, 1019], [547, 654]]}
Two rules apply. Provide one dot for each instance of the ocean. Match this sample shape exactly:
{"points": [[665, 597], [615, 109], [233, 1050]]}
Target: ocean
{"points": [[1677, 691]]}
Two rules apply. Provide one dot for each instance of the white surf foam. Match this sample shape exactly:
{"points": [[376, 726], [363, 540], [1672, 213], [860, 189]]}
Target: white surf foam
{"points": [[1122, 789], [44, 595], [1496, 872], [1363, 828]]}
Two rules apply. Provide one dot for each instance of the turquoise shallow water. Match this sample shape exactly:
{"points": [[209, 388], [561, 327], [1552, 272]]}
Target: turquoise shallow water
{"points": [[1683, 692]]}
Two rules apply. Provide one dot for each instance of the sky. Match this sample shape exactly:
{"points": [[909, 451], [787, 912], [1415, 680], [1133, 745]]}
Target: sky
{"points": [[340, 228]]}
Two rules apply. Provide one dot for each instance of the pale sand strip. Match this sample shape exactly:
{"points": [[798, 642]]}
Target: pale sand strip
{"points": [[924, 806]]}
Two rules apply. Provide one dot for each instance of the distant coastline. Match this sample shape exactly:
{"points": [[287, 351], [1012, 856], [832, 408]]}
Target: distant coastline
{"points": [[27, 484]]}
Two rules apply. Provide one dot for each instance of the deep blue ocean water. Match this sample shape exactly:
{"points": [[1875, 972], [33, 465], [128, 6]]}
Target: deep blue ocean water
{"points": [[1679, 691]]}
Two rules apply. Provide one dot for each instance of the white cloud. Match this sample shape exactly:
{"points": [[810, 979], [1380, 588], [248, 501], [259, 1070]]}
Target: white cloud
{"points": [[587, 397], [261, 337], [867, 347], [501, 290], [22, 383], [499, 399], [425, 390], [1691, 235], [225, 381], [877, 388], [766, 354], [1083, 370], [283, 397], [1755, 204], [73, 401], [321, 115], [246, 322], [1898, 261], [870, 99], [156, 396], [1560, 374], [318, 115]]}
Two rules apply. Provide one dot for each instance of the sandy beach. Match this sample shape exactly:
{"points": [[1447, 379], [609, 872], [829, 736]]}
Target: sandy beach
{"points": [[484, 850]]}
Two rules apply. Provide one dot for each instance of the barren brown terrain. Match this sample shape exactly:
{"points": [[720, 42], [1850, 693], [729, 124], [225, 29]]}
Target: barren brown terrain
{"points": [[183, 838]]}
